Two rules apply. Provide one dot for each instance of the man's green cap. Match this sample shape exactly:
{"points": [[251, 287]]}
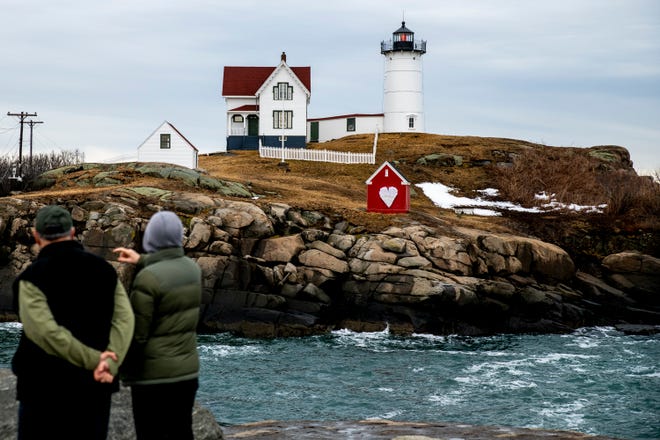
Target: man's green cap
{"points": [[53, 221]]}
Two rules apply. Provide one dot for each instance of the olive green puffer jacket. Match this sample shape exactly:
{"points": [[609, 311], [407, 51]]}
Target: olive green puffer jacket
{"points": [[165, 296]]}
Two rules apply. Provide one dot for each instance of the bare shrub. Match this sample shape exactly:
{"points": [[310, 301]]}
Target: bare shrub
{"points": [[30, 169], [631, 195], [563, 174], [573, 176]]}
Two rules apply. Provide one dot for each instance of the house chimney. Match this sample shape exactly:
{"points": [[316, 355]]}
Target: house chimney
{"points": [[284, 57]]}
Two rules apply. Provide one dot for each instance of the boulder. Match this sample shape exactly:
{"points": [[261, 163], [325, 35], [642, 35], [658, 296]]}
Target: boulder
{"points": [[280, 249]]}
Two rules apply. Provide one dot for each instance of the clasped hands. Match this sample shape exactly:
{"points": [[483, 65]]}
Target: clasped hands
{"points": [[102, 371]]}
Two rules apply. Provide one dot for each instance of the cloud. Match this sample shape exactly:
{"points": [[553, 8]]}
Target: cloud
{"points": [[105, 74]]}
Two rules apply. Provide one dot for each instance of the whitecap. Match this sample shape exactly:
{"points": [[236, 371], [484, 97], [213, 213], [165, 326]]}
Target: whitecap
{"points": [[570, 414], [387, 415], [557, 357], [444, 400], [215, 351], [517, 384]]}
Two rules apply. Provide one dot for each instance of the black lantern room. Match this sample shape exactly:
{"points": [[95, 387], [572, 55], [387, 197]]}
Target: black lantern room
{"points": [[403, 39]]}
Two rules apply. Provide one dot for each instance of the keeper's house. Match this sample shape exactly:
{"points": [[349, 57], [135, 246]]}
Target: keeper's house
{"points": [[335, 127], [167, 144], [265, 104]]}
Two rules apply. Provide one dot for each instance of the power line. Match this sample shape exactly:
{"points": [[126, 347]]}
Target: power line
{"points": [[32, 124], [21, 116]]}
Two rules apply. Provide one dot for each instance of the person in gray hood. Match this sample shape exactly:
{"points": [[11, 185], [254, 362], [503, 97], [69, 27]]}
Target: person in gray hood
{"points": [[162, 365]]}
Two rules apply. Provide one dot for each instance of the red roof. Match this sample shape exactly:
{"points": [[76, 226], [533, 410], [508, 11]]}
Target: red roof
{"points": [[352, 115], [245, 81], [246, 108]]}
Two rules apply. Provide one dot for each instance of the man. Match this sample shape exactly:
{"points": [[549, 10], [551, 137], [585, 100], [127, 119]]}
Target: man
{"points": [[162, 366], [77, 326]]}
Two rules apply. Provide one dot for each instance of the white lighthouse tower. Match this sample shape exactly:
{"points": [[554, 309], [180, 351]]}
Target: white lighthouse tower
{"points": [[403, 97]]}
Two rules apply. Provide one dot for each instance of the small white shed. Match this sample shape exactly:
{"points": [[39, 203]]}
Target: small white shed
{"points": [[167, 144]]}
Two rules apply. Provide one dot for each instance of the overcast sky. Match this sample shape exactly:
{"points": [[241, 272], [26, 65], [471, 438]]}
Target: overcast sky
{"points": [[102, 75]]}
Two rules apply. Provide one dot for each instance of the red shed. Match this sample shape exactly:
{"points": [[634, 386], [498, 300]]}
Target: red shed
{"points": [[388, 191]]}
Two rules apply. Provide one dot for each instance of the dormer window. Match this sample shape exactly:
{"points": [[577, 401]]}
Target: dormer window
{"points": [[283, 92]]}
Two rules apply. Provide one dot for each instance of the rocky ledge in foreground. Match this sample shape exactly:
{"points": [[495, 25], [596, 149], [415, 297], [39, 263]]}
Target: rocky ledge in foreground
{"points": [[121, 427], [272, 270], [389, 430]]}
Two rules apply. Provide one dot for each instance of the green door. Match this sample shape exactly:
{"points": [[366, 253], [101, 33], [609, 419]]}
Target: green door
{"points": [[314, 131], [253, 125]]}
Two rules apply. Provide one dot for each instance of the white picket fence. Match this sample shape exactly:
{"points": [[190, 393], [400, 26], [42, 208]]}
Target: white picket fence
{"points": [[319, 155], [316, 155]]}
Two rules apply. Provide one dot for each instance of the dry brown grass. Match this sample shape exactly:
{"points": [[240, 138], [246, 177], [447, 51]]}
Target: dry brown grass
{"points": [[339, 191], [572, 174]]}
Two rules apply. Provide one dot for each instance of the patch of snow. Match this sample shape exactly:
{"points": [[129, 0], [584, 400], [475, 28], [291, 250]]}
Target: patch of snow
{"points": [[441, 196]]}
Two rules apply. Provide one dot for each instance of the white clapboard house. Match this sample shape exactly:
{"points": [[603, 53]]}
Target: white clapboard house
{"points": [[266, 104], [167, 144]]}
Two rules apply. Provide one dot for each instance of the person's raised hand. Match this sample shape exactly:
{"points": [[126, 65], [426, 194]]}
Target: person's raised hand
{"points": [[126, 255]]}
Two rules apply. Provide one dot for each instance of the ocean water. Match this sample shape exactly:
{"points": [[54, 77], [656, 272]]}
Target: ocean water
{"points": [[594, 380]]}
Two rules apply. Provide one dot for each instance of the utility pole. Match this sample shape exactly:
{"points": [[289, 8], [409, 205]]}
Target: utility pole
{"points": [[21, 116], [32, 124]]}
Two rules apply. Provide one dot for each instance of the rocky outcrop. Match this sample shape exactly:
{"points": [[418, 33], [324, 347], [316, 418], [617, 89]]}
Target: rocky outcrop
{"points": [[271, 270], [97, 175], [121, 426], [378, 429]]}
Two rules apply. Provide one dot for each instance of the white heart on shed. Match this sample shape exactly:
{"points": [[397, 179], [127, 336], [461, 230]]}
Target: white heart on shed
{"points": [[388, 194]]}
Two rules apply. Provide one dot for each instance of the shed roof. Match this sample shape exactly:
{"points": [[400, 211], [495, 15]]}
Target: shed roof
{"points": [[404, 181]]}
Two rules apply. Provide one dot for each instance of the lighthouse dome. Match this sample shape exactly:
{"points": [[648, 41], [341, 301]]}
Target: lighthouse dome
{"points": [[403, 39]]}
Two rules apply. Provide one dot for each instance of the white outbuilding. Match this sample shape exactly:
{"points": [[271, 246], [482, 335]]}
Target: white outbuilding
{"points": [[167, 144]]}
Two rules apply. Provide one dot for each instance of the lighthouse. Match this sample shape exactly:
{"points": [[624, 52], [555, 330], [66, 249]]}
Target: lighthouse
{"points": [[403, 97]]}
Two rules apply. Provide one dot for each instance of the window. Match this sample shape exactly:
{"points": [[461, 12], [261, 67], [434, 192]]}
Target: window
{"points": [[237, 118], [277, 119], [411, 122], [350, 124], [164, 141], [283, 91]]}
